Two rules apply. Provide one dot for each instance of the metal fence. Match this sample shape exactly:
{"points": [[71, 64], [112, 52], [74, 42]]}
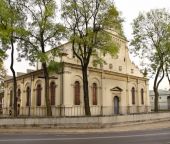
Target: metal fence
{"points": [[162, 106], [60, 111]]}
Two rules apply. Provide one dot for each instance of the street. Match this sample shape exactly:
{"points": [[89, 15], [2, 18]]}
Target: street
{"points": [[161, 136]]}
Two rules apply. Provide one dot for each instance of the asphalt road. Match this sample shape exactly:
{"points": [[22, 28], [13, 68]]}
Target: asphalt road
{"points": [[161, 136]]}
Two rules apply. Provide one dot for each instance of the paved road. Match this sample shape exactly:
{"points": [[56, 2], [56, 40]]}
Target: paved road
{"points": [[133, 137]]}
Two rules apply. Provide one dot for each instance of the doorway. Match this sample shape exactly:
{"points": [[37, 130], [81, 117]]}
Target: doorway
{"points": [[116, 105], [18, 101]]}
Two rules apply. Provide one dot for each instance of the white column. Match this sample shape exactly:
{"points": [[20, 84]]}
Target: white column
{"points": [[67, 88]]}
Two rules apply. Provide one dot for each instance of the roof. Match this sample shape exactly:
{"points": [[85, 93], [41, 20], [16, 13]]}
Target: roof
{"points": [[161, 93], [36, 72], [116, 89]]}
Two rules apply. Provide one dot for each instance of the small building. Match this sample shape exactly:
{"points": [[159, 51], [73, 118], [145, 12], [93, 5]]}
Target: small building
{"points": [[163, 100], [116, 87]]}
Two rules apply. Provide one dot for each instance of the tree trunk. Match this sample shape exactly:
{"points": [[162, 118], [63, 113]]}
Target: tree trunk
{"points": [[156, 99], [46, 77], [86, 91], [155, 87], [14, 80]]}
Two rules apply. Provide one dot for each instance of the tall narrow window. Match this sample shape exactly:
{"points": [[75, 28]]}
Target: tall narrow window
{"points": [[133, 95], [11, 98], [77, 93], [39, 95], [18, 95], [94, 93], [0, 103], [28, 96], [52, 92], [142, 96]]}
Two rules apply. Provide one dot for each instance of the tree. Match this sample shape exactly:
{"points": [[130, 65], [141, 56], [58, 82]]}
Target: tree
{"points": [[3, 73], [87, 22], [42, 32], [151, 36], [2, 69], [167, 62], [11, 23]]}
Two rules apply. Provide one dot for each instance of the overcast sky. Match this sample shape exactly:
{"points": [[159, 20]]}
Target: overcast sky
{"points": [[130, 10]]}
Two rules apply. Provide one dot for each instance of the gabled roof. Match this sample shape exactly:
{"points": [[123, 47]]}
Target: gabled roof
{"points": [[116, 89]]}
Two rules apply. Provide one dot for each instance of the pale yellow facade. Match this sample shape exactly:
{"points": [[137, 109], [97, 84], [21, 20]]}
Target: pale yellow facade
{"points": [[114, 80]]}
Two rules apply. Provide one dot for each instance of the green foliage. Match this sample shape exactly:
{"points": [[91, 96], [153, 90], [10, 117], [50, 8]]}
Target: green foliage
{"points": [[151, 37], [43, 57], [3, 73], [11, 21], [151, 43], [2, 55], [98, 61], [87, 21], [43, 31], [105, 43], [11, 25], [111, 19], [54, 66]]}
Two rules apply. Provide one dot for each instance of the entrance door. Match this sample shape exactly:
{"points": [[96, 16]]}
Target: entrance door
{"points": [[168, 100], [116, 105]]}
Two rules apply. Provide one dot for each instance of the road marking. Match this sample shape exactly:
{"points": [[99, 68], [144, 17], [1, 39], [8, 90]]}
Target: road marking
{"points": [[84, 138]]}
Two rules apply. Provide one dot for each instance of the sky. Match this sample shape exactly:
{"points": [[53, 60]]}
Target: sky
{"points": [[129, 10]]}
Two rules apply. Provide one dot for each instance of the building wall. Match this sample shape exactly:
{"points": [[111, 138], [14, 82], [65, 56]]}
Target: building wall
{"points": [[114, 80], [119, 63], [162, 102], [106, 83]]}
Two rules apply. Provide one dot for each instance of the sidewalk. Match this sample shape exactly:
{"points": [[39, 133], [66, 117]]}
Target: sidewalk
{"points": [[115, 128]]}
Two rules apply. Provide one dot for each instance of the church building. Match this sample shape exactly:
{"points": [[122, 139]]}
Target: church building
{"points": [[116, 87]]}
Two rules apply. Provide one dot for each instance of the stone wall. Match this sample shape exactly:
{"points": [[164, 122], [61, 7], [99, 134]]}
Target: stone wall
{"points": [[81, 122]]}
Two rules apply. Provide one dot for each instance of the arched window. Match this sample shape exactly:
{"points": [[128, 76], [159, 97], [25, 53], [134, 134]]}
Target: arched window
{"points": [[18, 95], [11, 98], [0, 104], [77, 93], [39, 95], [28, 96], [133, 95], [52, 92], [142, 96], [94, 93]]}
